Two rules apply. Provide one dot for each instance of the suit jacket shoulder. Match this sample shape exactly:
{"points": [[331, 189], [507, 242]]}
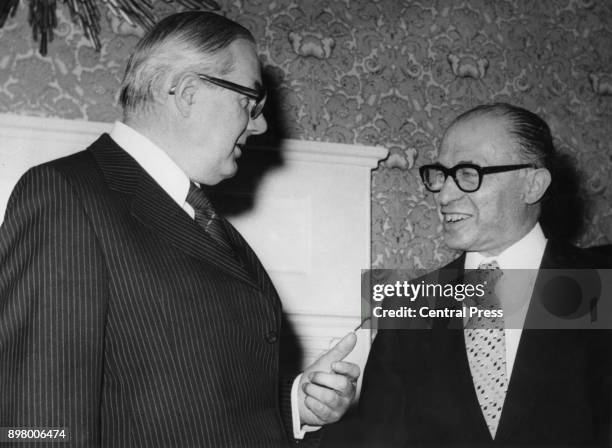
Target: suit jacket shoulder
{"points": [[560, 254]]}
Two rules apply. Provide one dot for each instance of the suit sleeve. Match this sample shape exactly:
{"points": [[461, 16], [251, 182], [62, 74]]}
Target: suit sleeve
{"points": [[286, 381], [311, 439], [53, 293], [380, 419]]}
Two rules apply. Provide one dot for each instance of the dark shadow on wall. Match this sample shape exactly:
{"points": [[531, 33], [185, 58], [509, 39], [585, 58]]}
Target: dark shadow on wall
{"points": [[238, 195], [564, 208], [275, 116]]}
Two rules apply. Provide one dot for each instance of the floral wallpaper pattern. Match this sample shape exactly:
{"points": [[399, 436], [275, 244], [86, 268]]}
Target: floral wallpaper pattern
{"points": [[376, 72]]}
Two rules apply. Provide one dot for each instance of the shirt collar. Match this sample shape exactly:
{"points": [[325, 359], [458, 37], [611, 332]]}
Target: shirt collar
{"points": [[153, 160], [526, 253]]}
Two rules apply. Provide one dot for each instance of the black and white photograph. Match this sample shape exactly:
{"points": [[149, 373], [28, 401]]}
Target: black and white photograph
{"points": [[326, 223]]}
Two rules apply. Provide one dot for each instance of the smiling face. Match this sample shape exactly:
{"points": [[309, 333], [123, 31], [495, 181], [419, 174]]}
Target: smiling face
{"points": [[219, 121], [496, 215]]}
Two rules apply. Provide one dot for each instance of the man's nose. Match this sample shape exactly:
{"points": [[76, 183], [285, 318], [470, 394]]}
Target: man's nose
{"points": [[449, 192], [258, 125]]}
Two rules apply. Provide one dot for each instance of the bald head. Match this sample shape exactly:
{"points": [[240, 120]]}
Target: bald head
{"points": [[532, 135]]}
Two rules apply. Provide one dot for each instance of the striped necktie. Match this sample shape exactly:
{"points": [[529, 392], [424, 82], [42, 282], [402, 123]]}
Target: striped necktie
{"points": [[486, 349], [207, 217]]}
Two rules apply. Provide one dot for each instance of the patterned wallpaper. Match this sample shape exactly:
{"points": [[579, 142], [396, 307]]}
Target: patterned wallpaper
{"points": [[383, 72]]}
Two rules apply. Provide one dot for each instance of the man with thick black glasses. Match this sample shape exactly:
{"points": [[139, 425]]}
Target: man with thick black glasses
{"points": [[131, 313], [487, 382]]}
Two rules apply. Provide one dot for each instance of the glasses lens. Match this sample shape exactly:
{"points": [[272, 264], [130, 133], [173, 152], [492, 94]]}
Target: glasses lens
{"points": [[433, 178], [258, 107], [468, 178]]}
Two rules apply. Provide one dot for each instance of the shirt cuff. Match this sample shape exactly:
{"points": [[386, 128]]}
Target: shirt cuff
{"points": [[298, 430]]}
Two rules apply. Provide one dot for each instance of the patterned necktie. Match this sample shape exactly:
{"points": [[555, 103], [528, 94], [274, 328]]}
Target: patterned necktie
{"points": [[486, 349], [207, 217]]}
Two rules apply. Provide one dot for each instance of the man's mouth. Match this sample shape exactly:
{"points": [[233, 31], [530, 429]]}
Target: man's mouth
{"points": [[452, 218], [241, 147]]}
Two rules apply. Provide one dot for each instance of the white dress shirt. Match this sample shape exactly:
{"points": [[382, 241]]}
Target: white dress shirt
{"points": [[156, 162], [520, 261]]}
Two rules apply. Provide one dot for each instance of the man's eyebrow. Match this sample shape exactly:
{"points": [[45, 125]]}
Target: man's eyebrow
{"points": [[470, 161]]}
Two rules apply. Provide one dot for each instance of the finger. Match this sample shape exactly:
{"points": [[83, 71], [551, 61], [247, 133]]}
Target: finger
{"points": [[340, 384], [322, 412], [339, 351], [329, 397], [348, 369], [326, 404], [321, 393]]}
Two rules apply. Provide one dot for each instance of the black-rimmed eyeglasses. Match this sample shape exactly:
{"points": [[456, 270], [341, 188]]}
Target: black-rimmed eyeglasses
{"points": [[257, 95], [467, 176]]}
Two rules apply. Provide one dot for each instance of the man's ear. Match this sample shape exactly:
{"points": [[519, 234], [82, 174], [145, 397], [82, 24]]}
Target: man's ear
{"points": [[184, 94], [536, 184]]}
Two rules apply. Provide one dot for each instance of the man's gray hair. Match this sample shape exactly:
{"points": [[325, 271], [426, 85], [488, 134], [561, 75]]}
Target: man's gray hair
{"points": [[182, 42]]}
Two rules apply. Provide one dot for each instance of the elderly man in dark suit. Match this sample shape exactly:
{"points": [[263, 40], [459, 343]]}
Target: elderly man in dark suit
{"points": [[131, 313], [453, 383]]}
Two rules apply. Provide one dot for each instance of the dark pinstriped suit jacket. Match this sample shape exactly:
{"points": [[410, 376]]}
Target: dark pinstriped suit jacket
{"points": [[121, 320]]}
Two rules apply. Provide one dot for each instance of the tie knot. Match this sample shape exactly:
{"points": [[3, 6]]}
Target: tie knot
{"points": [[489, 272], [199, 201], [487, 276], [208, 219], [492, 264]]}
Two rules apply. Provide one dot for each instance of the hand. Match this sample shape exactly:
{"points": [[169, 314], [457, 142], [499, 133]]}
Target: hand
{"points": [[327, 386]]}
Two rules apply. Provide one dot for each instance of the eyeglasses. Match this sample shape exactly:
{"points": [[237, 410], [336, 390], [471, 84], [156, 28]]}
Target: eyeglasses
{"points": [[257, 95], [467, 176]]}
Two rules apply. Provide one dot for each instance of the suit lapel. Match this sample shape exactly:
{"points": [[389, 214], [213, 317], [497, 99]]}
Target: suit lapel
{"points": [[451, 358], [534, 366], [452, 273], [535, 360], [449, 337], [156, 210], [250, 261]]}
